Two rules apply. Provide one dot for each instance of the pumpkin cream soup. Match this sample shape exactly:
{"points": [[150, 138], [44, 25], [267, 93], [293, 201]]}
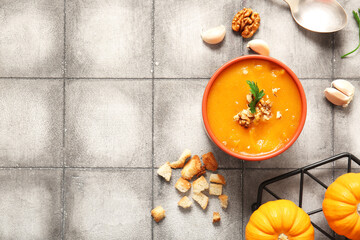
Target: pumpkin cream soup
{"points": [[254, 107]]}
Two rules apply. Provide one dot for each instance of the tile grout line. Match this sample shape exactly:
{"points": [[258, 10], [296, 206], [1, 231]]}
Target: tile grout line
{"points": [[80, 168], [152, 110], [149, 168], [333, 107], [64, 128]]}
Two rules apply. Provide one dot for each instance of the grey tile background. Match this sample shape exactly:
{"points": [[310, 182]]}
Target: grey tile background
{"points": [[107, 204], [31, 122], [31, 203], [31, 38], [95, 95], [346, 41], [108, 38], [98, 113]]}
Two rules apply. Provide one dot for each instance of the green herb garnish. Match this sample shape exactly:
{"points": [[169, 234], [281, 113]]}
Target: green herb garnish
{"points": [[357, 18], [257, 95]]}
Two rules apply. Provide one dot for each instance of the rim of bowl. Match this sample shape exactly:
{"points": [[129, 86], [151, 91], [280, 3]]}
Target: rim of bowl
{"points": [[272, 153]]}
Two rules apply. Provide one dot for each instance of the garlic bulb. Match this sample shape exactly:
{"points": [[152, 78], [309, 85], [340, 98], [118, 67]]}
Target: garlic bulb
{"points": [[214, 35], [344, 86], [259, 46], [341, 92]]}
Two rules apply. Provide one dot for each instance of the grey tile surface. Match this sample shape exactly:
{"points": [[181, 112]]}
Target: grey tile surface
{"points": [[31, 38], [30, 204], [179, 49], [346, 128], [287, 189], [31, 121], [345, 41], [178, 122], [105, 204], [108, 38], [307, 54], [119, 127], [316, 136], [196, 223], [108, 123]]}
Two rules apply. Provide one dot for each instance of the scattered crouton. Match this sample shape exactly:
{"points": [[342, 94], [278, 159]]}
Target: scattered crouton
{"points": [[182, 185], [158, 213], [181, 161], [185, 202], [191, 168], [217, 178], [223, 201], [202, 171], [215, 189], [201, 199], [200, 185], [216, 217], [165, 171], [210, 161]]}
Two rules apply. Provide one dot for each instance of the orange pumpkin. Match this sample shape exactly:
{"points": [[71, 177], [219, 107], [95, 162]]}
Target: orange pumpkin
{"points": [[341, 205], [279, 220]]}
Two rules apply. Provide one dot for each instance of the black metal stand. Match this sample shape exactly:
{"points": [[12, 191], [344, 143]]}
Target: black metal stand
{"points": [[263, 186]]}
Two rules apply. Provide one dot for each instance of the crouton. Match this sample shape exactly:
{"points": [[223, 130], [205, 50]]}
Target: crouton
{"points": [[217, 178], [210, 161], [181, 161], [191, 168], [185, 202], [223, 201], [182, 185], [158, 213], [216, 217], [200, 185], [201, 199], [202, 171], [165, 171], [215, 189]]}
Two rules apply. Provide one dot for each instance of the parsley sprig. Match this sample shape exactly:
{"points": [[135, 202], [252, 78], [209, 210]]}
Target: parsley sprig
{"points": [[357, 18], [257, 95]]}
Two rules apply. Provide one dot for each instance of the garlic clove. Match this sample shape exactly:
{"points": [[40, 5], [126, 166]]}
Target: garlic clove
{"points": [[336, 97], [214, 35], [344, 86], [259, 46]]}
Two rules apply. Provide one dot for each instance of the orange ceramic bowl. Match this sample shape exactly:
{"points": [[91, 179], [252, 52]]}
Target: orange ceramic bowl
{"points": [[285, 146]]}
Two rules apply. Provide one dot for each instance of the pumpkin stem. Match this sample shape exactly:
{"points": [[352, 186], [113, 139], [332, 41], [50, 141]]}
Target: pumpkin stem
{"points": [[283, 237]]}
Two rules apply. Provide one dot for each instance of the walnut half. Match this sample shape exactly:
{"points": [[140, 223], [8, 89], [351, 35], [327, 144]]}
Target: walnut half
{"points": [[246, 22]]}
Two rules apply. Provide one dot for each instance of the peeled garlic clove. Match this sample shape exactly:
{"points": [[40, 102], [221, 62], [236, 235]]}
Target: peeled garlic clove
{"points": [[336, 97], [259, 46], [214, 35], [344, 86]]}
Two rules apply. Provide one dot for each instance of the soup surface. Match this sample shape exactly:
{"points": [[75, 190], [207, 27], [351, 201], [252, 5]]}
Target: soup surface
{"points": [[227, 97]]}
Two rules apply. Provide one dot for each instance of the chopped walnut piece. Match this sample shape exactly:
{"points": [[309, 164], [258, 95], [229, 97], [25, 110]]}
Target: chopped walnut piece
{"points": [[262, 112], [278, 114], [249, 97], [246, 22], [244, 117], [275, 90]]}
